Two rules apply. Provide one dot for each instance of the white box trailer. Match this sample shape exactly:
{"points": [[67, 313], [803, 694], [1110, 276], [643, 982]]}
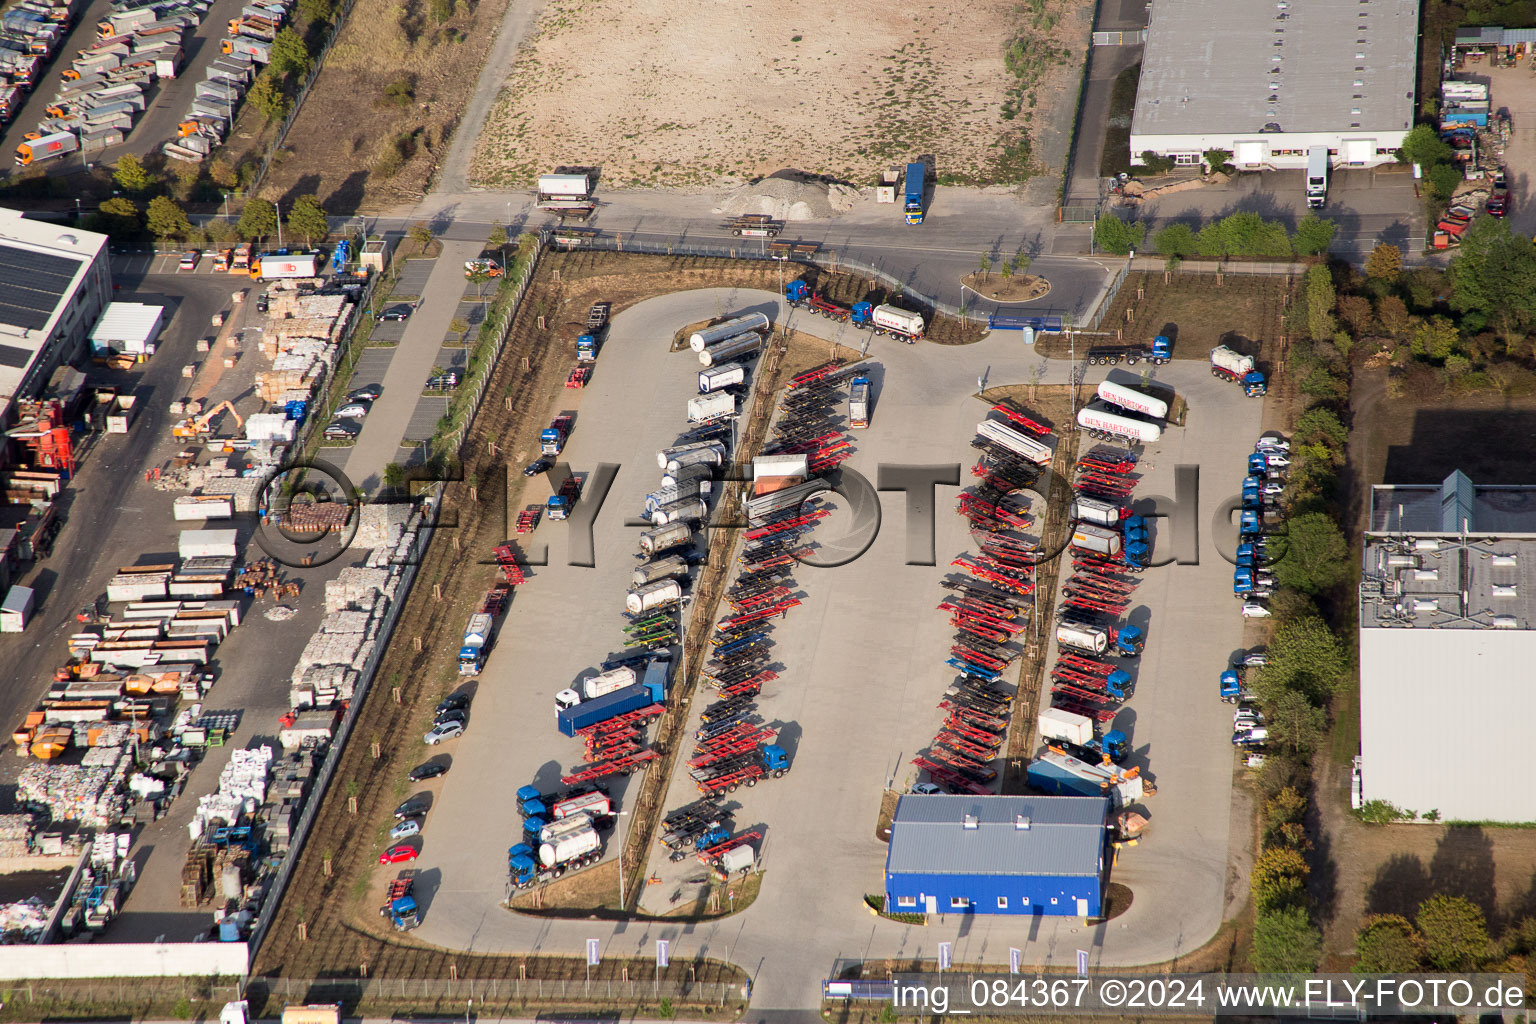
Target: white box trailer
{"points": [[711, 407], [1132, 399], [722, 376], [1101, 421], [1020, 444], [564, 187], [208, 544], [16, 609]]}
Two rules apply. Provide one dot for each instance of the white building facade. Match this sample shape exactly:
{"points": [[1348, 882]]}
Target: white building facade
{"points": [[1268, 80]]}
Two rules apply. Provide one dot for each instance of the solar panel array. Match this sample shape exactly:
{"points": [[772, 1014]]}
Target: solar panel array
{"points": [[31, 285]]}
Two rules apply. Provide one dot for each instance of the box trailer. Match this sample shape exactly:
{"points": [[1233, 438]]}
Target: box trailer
{"points": [[16, 610]]}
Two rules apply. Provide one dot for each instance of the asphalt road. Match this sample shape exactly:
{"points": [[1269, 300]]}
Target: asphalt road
{"points": [[865, 647], [168, 100]]}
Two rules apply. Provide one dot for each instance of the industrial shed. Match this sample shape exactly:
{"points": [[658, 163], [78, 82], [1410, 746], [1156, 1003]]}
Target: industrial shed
{"points": [[997, 855], [1268, 80], [130, 327], [1447, 640]]}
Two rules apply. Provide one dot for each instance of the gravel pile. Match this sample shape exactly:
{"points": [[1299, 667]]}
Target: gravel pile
{"points": [[789, 196]]}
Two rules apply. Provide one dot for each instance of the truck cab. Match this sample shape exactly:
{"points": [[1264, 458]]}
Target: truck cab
{"points": [[552, 438], [559, 505], [586, 348], [1162, 348], [1129, 641], [1317, 177]]}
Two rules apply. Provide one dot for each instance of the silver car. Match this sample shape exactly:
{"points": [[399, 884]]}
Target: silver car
{"points": [[406, 829], [443, 731]]}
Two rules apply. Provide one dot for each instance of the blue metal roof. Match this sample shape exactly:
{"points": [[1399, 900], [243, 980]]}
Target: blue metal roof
{"points": [[1494, 35], [997, 835]]}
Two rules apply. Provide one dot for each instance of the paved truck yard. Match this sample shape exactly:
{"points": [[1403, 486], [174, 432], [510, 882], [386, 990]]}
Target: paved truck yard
{"points": [[865, 646]]}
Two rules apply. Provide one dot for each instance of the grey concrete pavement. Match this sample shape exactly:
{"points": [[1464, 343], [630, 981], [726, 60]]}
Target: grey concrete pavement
{"points": [[1368, 206], [379, 443], [930, 258], [1105, 65], [1514, 89], [453, 175], [867, 647]]}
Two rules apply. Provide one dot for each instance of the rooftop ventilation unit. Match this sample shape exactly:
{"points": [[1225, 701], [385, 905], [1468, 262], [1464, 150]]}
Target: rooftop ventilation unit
{"points": [[1505, 561], [970, 821], [1505, 622], [1504, 590]]}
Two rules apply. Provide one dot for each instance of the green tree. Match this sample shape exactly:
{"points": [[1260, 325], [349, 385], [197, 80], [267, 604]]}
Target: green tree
{"points": [[307, 219], [119, 217], [131, 175], [1219, 160], [1443, 180], [1020, 262], [1306, 656], [1322, 426], [1493, 278], [1393, 314], [1285, 942], [497, 239], [458, 325], [420, 234], [1436, 338], [1117, 237], [1384, 262], [1175, 240], [1294, 722], [1316, 554], [1005, 271], [984, 264], [257, 220], [1320, 300], [1388, 944], [1278, 879], [1423, 146], [1313, 235], [318, 10], [266, 95], [289, 54], [166, 219], [1454, 931], [1322, 384], [1273, 242]]}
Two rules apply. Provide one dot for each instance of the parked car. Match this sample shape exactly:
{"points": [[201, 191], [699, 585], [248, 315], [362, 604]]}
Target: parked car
{"points": [[443, 381], [1273, 487], [1271, 443], [536, 467], [263, 302], [428, 770], [189, 260], [353, 411], [366, 393], [1274, 460], [342, 430], [395, 313], [398, 855], [452, 702], [927, 789], [1254, 610], [443, 731], [1498, 201], [411, 808], [453, 715], [1255, 659], [407, 828]]}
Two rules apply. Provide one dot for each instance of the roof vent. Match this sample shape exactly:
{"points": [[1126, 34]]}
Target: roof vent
{"points": [[1425, 604], [1505, 622], [69, 240], [1021, 823], [1426, 575], [1505, 561], [1504, 590], [970, 821]]}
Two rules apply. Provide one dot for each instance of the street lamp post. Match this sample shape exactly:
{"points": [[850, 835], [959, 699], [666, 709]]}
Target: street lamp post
{"points": [[621, 815]]}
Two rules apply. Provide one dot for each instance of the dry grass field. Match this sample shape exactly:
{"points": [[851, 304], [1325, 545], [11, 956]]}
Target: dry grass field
{"points": [[681, 93]]}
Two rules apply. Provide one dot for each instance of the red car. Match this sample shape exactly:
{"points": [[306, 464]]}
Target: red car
{"points": [[398, 855]]}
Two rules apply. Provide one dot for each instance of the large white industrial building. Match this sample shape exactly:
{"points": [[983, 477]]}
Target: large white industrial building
{"points": [[1268, 80], [1447, 644], [54, 283]]}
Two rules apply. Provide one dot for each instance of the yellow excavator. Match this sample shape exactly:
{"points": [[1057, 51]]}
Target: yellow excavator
{"points": [[199, 426]]}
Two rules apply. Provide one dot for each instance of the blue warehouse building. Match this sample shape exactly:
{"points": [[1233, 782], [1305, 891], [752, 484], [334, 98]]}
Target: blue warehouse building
{"points": [[997, 855]]}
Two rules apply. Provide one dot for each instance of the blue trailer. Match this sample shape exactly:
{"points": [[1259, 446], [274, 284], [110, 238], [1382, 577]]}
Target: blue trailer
{"points": [[1012, 322], [652, 689], [916, 176]]}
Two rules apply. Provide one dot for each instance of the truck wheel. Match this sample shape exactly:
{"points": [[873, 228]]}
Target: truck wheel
{"points": [[733, 787], [751, 783], [1215, 372], [559, 871], [780, 773], [736, 232], [1132, 360]]}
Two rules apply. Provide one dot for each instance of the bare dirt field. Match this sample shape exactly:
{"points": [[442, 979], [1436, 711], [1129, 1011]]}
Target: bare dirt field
{"points": [[677, 93], [379, 118]]}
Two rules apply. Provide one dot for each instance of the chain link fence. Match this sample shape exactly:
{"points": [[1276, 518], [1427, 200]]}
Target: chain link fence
{"points": [[421, 522], [674, 982]]}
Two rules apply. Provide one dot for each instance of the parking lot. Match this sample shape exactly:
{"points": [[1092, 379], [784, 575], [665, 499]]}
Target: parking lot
{"points": [[862, 657]]}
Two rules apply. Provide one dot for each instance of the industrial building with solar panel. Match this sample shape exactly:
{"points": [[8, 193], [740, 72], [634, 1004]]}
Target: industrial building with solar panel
{"points": [[54, 283]]}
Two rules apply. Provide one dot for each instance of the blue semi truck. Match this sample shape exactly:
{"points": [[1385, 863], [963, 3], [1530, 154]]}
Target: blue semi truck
{"points": [[917, 174], [651, 689]]}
